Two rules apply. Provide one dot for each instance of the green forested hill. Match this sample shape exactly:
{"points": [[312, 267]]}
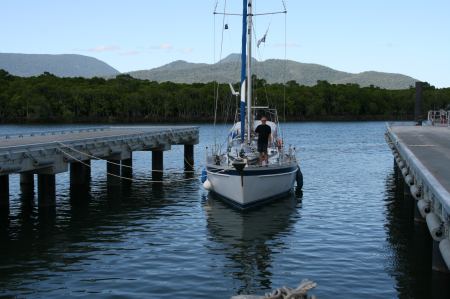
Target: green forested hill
{"points": [[272, 70], [65, 65]]}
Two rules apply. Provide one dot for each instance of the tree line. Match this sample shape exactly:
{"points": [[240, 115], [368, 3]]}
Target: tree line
{"points": [[47, 98]]}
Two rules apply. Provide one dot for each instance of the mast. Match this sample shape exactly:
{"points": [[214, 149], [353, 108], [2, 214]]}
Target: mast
{"points": [[249, 70], [243, 68]]}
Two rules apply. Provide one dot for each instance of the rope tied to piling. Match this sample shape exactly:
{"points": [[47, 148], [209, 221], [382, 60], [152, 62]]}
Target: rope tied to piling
{"points": [[128, 178], [299, 292], [117, 164]]}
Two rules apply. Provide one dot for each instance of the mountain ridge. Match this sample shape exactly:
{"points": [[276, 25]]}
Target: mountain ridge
{"points": [[272, 70], [227, 70], [62, 65]]}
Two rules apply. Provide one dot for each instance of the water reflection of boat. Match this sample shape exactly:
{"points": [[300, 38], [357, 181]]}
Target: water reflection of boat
{"points": [[246, 238]]}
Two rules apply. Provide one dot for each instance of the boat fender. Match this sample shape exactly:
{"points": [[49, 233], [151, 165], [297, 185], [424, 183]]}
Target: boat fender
{"points": [[279, 143], [435, 227], [415, 192], [299, 178], [424, 207], [444, 247], [204, 176], [207, 185], [409, 179], [405, 171]]}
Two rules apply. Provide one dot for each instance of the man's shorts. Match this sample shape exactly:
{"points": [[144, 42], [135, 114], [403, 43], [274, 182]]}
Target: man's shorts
{"points": [[262, 148]]}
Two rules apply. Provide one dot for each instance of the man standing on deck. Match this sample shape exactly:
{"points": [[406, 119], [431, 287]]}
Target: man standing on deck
{"points": [[263, 131]]}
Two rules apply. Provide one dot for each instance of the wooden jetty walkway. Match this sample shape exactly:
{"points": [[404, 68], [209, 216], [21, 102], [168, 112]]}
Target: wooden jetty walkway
{"points": [[47, 153], [422, 155]]}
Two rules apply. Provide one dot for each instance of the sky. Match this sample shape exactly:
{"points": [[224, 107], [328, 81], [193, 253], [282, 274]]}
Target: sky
{"points": [[410, 37]]}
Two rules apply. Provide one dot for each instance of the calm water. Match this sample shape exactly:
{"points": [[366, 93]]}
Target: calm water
{"points": [[352, 233]]}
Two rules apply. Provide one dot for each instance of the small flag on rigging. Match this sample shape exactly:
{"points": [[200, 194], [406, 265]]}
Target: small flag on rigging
{"points": [[262, 40]]}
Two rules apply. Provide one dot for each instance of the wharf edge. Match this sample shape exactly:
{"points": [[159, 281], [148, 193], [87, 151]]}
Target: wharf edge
{"points": [[422, 159]]}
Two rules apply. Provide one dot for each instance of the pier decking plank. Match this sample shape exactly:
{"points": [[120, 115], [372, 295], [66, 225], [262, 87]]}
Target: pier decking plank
{"points": [[51, 151], [82, 135], [431, 145]]}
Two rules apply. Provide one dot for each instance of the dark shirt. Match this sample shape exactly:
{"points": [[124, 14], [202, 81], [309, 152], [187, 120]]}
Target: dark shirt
{"points": [[263, 133]]}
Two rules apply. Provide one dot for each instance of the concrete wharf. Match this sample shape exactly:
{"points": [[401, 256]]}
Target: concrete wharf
{"points": [[46, 154], [422, 158]]}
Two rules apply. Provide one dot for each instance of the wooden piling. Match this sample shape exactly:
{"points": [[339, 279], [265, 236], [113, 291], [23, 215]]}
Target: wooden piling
{"points": [[80, 173], [4, 192], [418, 105], [113, 170], [126, 165], [188, 157], [157, 165], [46, 190]]}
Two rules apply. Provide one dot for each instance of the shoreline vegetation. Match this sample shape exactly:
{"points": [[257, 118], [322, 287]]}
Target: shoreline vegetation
{"points": [[124, 99]]}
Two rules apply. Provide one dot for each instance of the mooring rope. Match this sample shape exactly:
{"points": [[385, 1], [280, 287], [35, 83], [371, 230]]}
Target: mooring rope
{"points": [[127, 178], [300, 292], [122, 165]]}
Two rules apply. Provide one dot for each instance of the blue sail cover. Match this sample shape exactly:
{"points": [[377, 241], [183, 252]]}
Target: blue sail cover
{"points": [[243, 68]]}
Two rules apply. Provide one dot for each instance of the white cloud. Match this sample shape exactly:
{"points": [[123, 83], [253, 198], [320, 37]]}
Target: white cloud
{"points": [[109, 48], [130, 53], [187, 50], [166, 46], [169, 47], [163, 46]]}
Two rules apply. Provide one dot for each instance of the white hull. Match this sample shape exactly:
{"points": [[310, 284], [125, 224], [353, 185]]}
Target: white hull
{"points": [[256, 185]]}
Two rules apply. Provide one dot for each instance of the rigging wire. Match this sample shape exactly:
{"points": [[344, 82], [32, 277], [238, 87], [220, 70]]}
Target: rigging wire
{"points": [[262, 65], [285, 68], [214, 56], [216, 92], [284, 5], [255, 14], [216, 96], [284, 72]]}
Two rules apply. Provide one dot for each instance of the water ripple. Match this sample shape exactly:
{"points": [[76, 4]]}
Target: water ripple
{"points": [[350, 233]]}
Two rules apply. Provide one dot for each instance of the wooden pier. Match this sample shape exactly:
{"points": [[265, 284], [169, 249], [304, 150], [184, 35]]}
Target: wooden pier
{"points": [[46, 154], [422, 155]]}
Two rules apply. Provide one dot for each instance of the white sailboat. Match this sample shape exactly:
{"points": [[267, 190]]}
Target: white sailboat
{"points": [[237, 174]]}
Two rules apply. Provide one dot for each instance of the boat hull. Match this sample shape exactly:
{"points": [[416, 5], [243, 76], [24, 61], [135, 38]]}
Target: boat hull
{"points": [[253, 186]]}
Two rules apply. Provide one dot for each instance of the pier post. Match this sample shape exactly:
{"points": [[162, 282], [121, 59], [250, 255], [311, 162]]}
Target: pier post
{"points": [[80, 173], [27, 180], [46, 190], [113, 170], [126, 165], [87, 170], [27, 186], [418, 105], [188, 157], [113, 185], [4, 192], [157, 165], [80, 177]]}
